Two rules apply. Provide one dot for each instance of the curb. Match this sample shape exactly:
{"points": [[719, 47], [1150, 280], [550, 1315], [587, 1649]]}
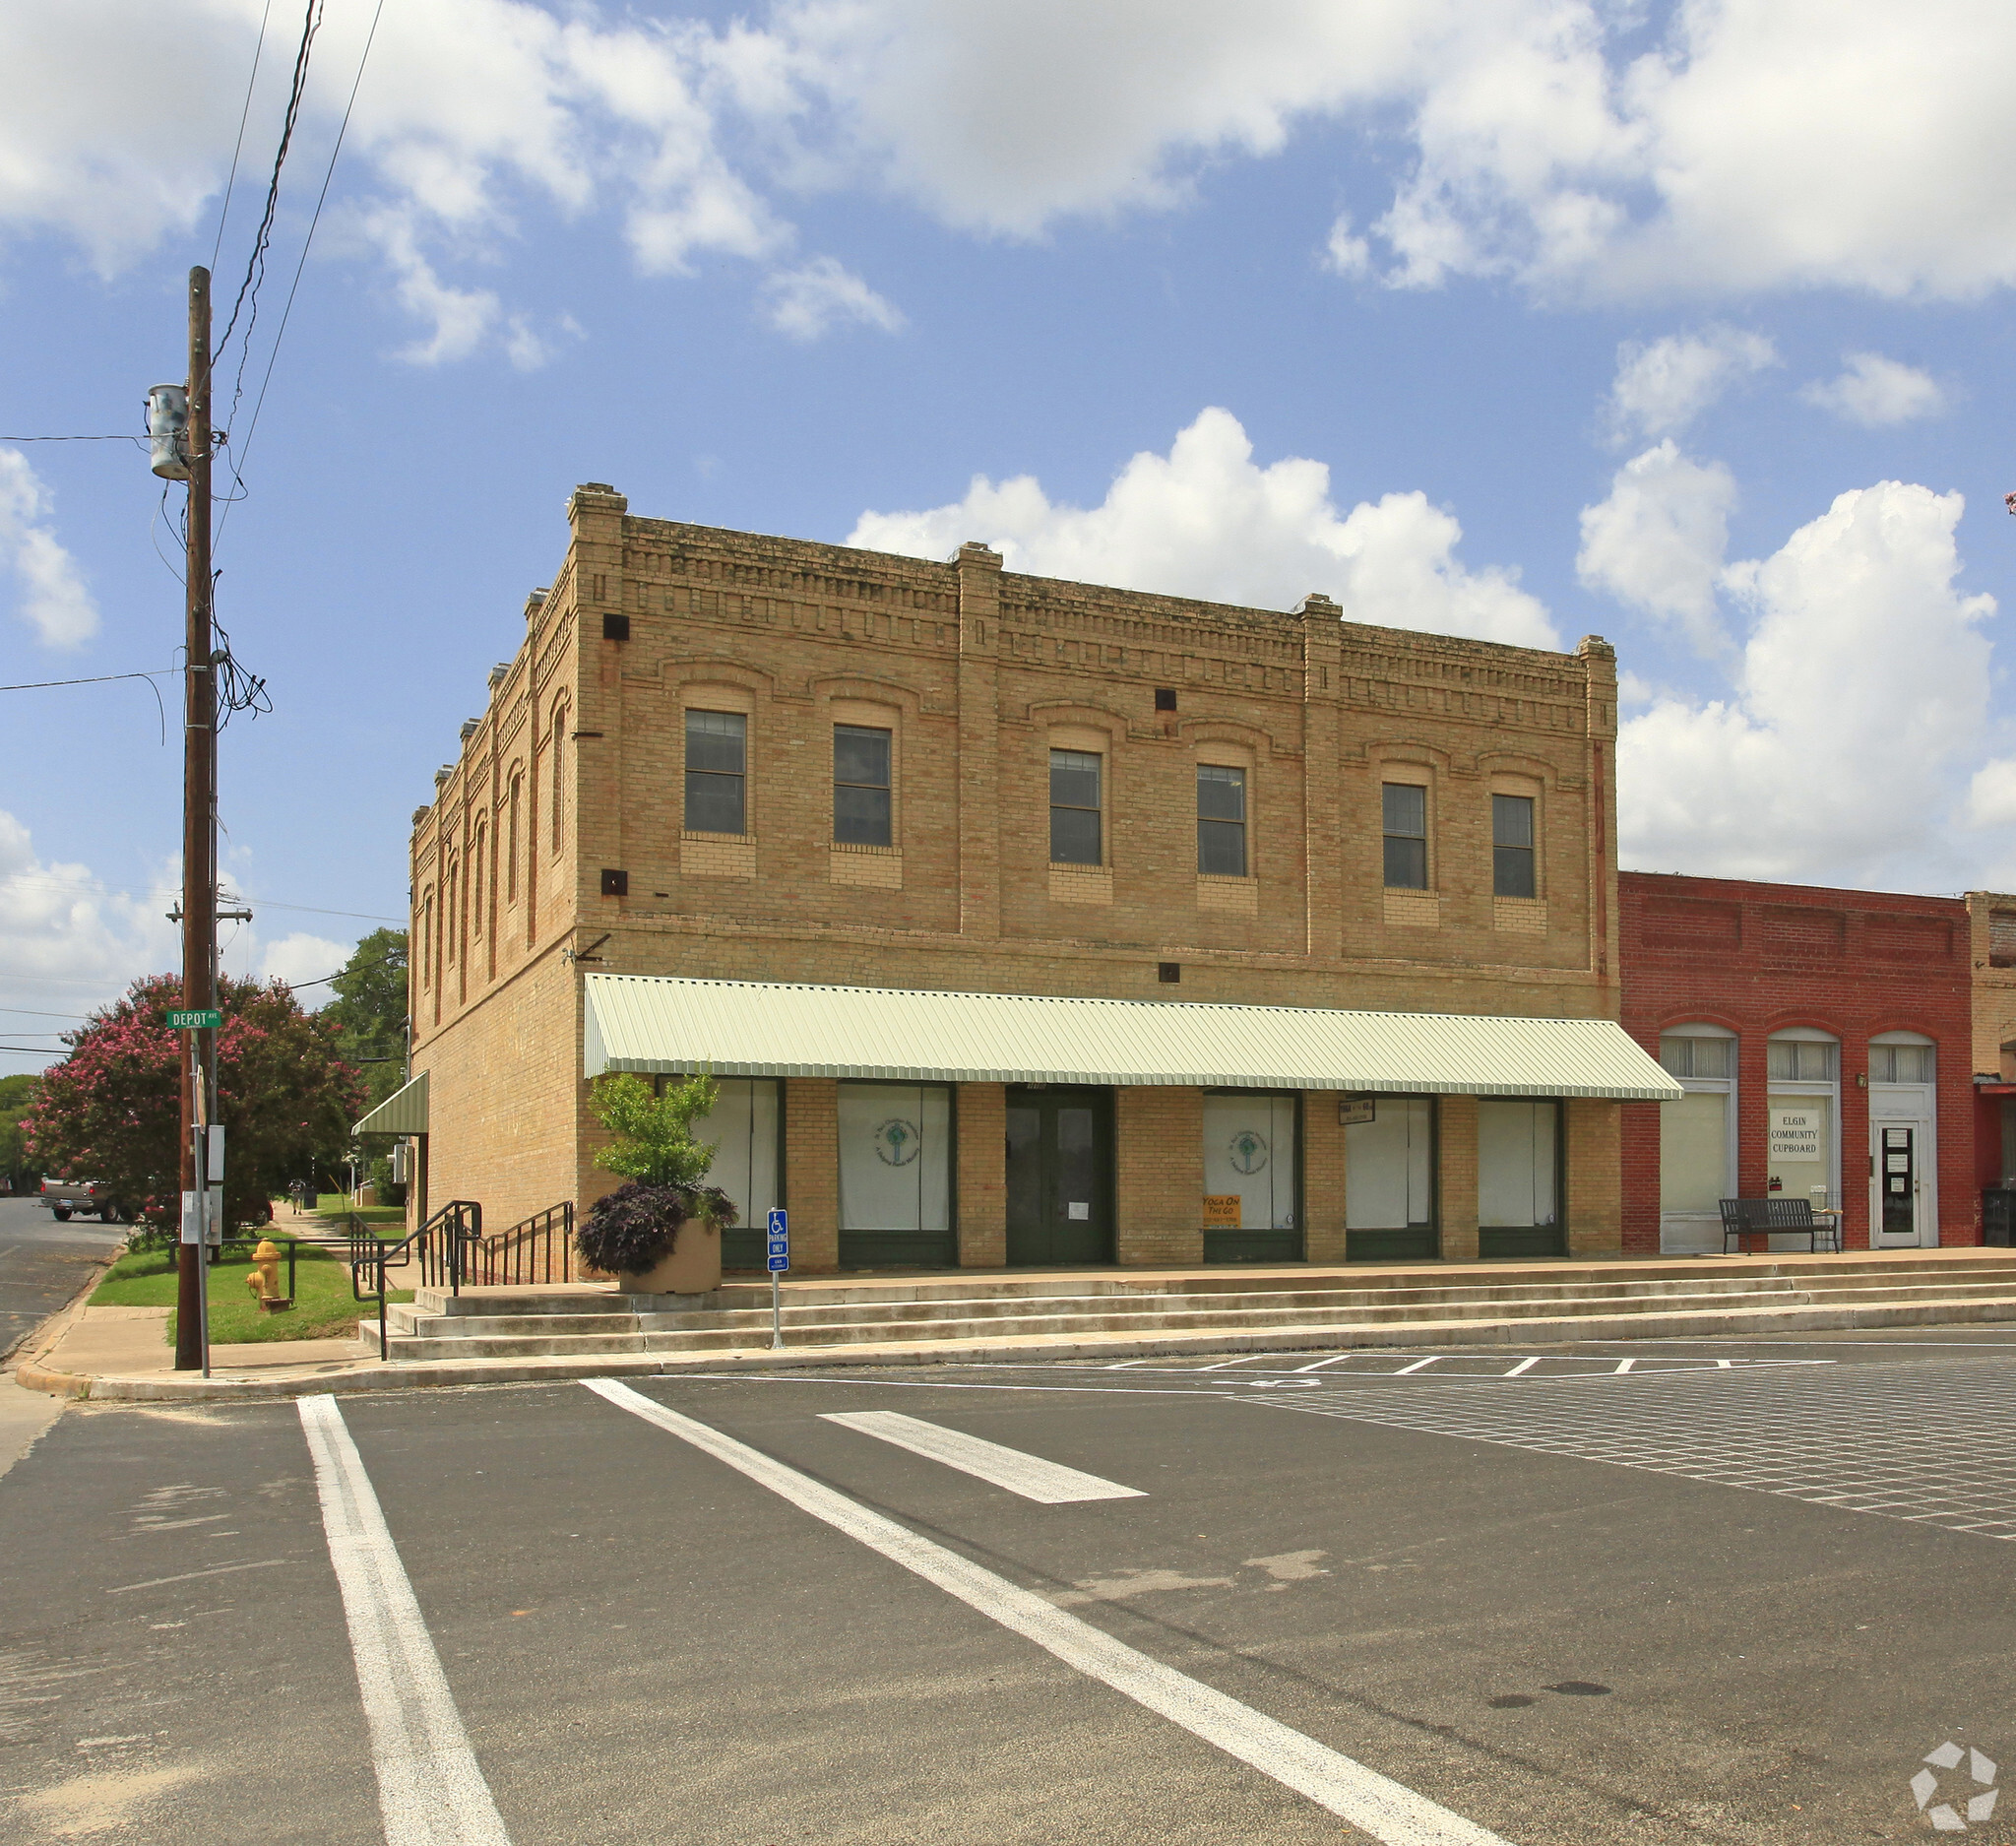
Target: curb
{"points": [[437, 1375]]}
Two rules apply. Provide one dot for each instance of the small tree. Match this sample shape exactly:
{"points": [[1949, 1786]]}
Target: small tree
{"points": [[627, 1231], [111, 1110], [16, 1169]]}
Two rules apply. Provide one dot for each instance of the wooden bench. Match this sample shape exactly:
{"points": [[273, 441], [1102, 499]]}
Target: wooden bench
{"points": [[1771, 1217]]}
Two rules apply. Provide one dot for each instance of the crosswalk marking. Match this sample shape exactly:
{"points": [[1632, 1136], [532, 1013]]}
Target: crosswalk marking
{"points": [[1388, 1810], [1048, 1483], [432, 1790]]}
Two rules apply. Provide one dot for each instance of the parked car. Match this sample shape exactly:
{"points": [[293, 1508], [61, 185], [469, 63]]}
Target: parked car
{"points": [[67, 1196]]}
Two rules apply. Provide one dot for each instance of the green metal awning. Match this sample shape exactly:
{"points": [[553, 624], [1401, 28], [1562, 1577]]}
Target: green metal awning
{"points": [[404, 1112], [766, 1029]]}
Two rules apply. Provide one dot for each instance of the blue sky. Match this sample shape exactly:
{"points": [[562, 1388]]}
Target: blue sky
{"points": [[1689, 328]]}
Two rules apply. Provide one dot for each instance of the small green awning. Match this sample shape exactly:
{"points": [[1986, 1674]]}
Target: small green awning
{"points": [[404, 1112], [771, 1028]]}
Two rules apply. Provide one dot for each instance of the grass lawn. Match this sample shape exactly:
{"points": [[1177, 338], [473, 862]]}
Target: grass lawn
{"points": [[324, 1309], [331, 1205]]}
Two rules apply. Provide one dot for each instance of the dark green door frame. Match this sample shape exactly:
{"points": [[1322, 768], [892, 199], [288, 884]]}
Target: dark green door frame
{"points": [[1263, 1243], [1061, 1154], [1500, 1242], [1404, 1243]]}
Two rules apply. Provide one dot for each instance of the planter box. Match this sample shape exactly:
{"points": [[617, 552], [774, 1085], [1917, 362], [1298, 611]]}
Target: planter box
{"points": [[693, 1267]]}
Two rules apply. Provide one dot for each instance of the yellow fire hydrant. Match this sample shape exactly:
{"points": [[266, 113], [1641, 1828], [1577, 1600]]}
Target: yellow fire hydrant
{"points": [[264, 1279]]}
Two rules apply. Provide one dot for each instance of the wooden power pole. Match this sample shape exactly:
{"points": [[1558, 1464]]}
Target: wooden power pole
{"points": [[199, 834]]}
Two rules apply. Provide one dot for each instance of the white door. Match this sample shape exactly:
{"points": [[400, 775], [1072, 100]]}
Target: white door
{"points": [[1903, 1202]]}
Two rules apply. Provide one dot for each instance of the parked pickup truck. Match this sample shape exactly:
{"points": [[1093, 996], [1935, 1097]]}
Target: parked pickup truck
{"points": [[67, 1196]]}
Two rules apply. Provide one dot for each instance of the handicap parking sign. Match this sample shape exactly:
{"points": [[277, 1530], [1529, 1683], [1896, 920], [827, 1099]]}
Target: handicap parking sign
{"points": [[779, 1240]]}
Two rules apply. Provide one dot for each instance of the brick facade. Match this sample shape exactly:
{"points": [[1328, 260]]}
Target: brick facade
{"points": [[1757, 958], [559, 832]]}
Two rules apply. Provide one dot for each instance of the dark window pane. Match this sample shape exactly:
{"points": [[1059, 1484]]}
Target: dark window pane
{"points": [[860, 816], [1222, 847], [1074, 836], [861, 755], [1221, 792], [1406, 863], [1511, 820], [1074, 779], [1511, 871], [714, 804], [716, 741], [1406, 809]]}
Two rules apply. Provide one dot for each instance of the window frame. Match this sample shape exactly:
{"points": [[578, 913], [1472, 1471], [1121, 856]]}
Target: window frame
{"points": [[886, 787], [1528, 850], [1097, 812], [687, 772], [1422, 841], [1238, 776]]}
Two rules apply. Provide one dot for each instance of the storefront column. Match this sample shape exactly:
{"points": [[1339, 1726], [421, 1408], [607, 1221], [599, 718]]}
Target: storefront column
{"points": [[1594, 1183], [1323, 1178], [1158, 1175], [811, 1172], [1456, 1180], [980, 1127]]}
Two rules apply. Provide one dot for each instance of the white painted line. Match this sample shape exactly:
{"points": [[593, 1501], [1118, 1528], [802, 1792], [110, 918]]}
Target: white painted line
{"points": [[1122, 1364], [1223, 1364], [1048, 1483], [1525, 1364], [431, 1790], [1386, 1810], [1626, 1365], [1419, 1365], [1335, 1359], [1725, 1364]]}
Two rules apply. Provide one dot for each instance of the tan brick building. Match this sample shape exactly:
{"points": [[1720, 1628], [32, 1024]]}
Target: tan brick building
{"points": [[782, 769]]}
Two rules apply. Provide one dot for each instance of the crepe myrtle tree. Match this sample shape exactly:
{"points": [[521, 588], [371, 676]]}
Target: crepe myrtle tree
{"points": [[111, 1110], [627, 1231]]}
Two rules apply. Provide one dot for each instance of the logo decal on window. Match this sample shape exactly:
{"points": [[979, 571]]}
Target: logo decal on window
{"points": [[898, 1142], [1248, 1151]]}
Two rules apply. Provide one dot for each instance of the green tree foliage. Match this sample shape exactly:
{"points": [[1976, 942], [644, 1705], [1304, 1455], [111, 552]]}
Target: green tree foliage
{"points": [[370, 1012], [111, 1109], [654, 1141], [16, 1169]]}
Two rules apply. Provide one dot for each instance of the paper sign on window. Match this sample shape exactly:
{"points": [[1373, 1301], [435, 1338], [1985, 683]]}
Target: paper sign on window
{"points": [[1221, 1211], [1795, 1135]]}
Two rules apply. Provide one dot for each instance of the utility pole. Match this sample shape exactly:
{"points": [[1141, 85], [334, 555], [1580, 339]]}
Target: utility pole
{"points": [[199, 845]]}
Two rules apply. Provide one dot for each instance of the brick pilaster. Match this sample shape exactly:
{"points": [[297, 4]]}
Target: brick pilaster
{"points": [[1456, 1179], [979, 733], [811, 1164], [1159, 1174], [1595, 1177], [1323, 1178], [982, 1130]]}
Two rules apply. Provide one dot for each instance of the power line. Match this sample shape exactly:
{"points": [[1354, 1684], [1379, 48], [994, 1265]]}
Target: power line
{"points": [[244, 114], [141, 441], [235, 453], [99, 679]]}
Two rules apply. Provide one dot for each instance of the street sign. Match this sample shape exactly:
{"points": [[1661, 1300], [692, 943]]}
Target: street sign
{"points": [[779, 1240], [208, 1020]]}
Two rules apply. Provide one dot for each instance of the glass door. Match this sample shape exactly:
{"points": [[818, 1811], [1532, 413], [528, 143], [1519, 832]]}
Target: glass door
{"points": [[1060, 1175], [1898, 1217]]}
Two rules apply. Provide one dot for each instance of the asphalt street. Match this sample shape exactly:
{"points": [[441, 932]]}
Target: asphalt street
{"points": [[1729, 1593], [43, 1263]]}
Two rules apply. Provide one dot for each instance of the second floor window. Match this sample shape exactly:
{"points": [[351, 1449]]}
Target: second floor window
{"points": [[860, 786], [717, 772], [1074, 808], [1512, 868], [1220, 821], [1404, 816]]}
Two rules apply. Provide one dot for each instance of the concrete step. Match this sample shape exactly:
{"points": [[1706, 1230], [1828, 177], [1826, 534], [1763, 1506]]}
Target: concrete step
{"points": [[427, 1337]]}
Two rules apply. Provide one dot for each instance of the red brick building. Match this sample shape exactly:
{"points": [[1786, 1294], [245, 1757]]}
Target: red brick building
{"points": [[1826, 1043]]}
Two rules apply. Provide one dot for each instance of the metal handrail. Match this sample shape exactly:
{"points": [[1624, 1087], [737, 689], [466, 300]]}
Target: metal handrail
{"points": [[438, 1246], [535, 1249]]}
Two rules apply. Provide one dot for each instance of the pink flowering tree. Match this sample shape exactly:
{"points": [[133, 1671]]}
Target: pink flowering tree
{"points": [[111, 1110]]}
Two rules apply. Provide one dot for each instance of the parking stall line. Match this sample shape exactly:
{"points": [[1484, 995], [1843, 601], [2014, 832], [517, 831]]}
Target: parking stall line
{"points": [[1048, 1483], [431, 1790], [1387, 1810], [1525, 1364], [1419, 1365]]}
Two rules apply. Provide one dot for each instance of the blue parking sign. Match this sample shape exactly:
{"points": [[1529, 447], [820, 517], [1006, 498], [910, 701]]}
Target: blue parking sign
{"points": [[779, 1240]]}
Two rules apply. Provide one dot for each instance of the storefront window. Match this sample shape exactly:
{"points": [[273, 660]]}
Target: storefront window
{"points": [[1518, 1158], [1389, 1174], [894, 1157], [1249, 1157], [1802, 1154], [1693, 1155], [743, 1126]]}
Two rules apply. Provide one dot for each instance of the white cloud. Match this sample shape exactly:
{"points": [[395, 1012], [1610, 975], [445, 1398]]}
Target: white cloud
{"points": [[54, 600], [1858, 707], [1530, 139], [1660, 387], [1991, 794], [1206, 521], [812, 300], [304, 957], [1876, 392], [1658, 541]]}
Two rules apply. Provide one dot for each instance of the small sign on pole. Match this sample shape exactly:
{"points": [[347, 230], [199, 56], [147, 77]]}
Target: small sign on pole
{"points": [[777, 1238], [207, 1020]]}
